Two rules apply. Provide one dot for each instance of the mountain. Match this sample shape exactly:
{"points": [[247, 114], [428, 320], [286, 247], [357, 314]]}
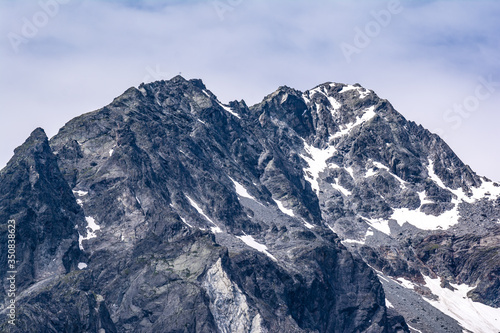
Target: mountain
{"points": [[316, 211]]}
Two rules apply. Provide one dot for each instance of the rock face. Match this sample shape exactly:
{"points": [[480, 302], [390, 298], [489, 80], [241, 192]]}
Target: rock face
{"points": [[167, 211], [35, 195]]}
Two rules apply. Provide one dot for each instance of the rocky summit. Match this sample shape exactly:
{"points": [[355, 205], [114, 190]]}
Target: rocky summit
{"points": [[316, 211]]}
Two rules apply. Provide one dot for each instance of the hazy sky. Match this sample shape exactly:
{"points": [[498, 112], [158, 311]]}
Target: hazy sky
{"points": [[437, 62]]}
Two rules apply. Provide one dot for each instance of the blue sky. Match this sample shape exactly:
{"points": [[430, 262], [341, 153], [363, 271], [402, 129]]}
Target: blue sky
{"points": [[435, 61]]}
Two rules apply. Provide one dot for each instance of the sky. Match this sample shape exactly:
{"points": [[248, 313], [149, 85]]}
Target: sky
{"points": [[435, 61]]}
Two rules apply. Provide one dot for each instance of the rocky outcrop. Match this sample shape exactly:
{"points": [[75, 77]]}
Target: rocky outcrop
{"points": [[35, 195]]}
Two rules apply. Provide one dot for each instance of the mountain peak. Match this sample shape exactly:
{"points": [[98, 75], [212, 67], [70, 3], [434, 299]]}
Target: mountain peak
{"points": [[176, 195], [38, 134], [36, 142]]}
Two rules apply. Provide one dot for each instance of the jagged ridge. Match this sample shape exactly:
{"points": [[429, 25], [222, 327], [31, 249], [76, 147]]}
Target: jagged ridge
{"points": [[183, 195]]}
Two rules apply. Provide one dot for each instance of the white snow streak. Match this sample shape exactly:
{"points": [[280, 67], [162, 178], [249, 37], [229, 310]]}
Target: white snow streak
{"points": [[185, 222], [307, 224], [241, 190], [228, 109], [283, 209], [341, 189], [433, 176], [82, 265], [333, 102], [350, 170], [381, 166], [80, 193], [214, 229], [367, 115], [248, 240], [413, 328]]}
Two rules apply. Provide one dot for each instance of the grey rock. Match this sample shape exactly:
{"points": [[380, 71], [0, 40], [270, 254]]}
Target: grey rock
{"points": [[211, 218]]}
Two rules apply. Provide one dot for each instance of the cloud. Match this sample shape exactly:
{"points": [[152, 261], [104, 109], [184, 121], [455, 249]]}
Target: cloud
{"points": [[428, 58]]}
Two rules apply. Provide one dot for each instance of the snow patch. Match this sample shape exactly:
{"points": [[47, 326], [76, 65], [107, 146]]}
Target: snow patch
{"points": [[143, 91], [406, 283], [370, 172], [334, 103], [306, 99], [347, 88], [90, 229], [433, 176], [381, 166], [362, 91], [388, 304], [423, 198], [413, 328], [369, 232], [307, 224], [248, 240], [81, 193], [316, 159], [426, 222], [321, 90], [350, 170], [228, 109], [487, 189], [82, 265], [341, 189], [111, 151], [214, 229], [379, 224], [185, 222], [241, 190], [283, 209], [367, 115], [473, 316]]}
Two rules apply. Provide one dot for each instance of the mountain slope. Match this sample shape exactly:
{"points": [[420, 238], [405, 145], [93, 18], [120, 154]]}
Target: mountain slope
{"points": [[302, 213], [179, 199]]}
